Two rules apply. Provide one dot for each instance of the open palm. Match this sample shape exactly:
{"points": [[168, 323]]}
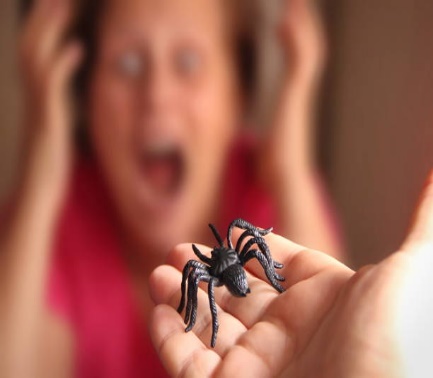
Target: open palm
{"points": [[330, 321]]}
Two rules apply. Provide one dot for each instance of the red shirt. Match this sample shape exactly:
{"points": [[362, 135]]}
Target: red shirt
{"points": [[89, 283]]}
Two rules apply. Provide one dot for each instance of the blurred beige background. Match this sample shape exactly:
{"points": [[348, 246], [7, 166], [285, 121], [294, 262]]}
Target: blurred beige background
{"points": [[379, 118], [9, 111], [376, 122]]}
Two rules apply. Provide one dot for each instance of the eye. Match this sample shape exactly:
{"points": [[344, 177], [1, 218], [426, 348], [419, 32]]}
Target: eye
{"points": [[130, 64], [188, 61]]}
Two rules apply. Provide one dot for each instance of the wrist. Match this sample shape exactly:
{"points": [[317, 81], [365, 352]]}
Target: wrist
{"points": [[43, 181], [286, 173]]}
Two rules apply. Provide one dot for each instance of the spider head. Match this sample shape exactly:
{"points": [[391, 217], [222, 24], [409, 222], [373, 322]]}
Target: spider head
{"points": [[235, 279]]}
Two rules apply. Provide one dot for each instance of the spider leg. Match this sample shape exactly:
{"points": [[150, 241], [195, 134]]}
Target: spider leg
{"points": [[192, 290], [200, 255], [190, 264], [243, 225], [266, 252], [213, 309], [202, 276], [254, 253], [196, 277], [216, 234], [247, 233], [189, 302], [255, 234], [263, 246]]}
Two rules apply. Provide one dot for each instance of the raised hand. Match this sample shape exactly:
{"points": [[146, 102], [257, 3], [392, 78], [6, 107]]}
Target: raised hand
{"points": [[287, 160], [330, 322], [303, 40], [47, 63]]}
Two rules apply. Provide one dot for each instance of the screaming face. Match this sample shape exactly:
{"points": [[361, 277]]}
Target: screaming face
{"points": [[164, 105]]}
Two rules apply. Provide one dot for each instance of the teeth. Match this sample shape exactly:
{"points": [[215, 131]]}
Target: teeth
{"points": [[159, 148]]}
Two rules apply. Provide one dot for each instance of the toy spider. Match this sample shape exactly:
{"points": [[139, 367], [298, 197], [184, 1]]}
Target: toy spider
{"points": [[225, 267]]}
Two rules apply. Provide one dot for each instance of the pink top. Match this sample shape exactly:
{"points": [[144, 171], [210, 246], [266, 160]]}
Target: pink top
{"points": [[89, 283]]}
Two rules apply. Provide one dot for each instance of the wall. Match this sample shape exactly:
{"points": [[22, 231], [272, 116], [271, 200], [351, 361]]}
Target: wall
{"points": [[380, 117], [9, 112]]}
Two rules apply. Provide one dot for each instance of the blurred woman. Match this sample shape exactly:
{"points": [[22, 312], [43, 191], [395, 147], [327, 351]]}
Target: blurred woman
{"points": [[163, 93]]}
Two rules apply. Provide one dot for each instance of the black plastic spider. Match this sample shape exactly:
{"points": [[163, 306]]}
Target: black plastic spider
{"points": [[225, 267]]}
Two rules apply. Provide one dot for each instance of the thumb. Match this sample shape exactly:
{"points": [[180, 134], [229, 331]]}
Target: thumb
{"points": [[65, 66], [421, 232]]}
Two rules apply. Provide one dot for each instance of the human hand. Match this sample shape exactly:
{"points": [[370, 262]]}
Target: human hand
{"points": [[303, 40], [287, 149], [47, 63], [286, 158], [329, 322]]}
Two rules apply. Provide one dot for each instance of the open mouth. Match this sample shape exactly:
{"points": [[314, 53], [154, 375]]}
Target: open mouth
{"points": [[162, 167]]}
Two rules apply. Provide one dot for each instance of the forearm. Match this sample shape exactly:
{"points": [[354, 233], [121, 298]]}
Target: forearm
{"points": [[289, 139], [25, 253], [292, 129], [288, 162]]}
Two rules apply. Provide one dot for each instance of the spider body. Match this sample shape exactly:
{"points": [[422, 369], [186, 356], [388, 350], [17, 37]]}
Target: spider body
{"points": [[235, 279], [225, 267], [222, 258]]}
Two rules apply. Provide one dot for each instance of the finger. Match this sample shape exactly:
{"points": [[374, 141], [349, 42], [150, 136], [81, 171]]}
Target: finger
{"points": [[299, 262], [250, 309], [56, 90], [421, 232], [164, 285], [53, 32], [264, 347], [282, 251], [43, 33], [300, 308], [289, 323], [183, 354], [34, 12], [303, 37], [64, 67], [165, 289]]}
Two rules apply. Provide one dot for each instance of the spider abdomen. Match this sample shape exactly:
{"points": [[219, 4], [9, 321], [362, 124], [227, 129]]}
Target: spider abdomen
{"points": [[235, 279]]}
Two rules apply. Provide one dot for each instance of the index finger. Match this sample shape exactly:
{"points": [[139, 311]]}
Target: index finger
{"points": [[282, 250], [300, 262], [44, 30]]}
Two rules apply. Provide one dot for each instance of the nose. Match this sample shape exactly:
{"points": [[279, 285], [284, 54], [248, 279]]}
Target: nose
{"points": [[158, 89]]}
